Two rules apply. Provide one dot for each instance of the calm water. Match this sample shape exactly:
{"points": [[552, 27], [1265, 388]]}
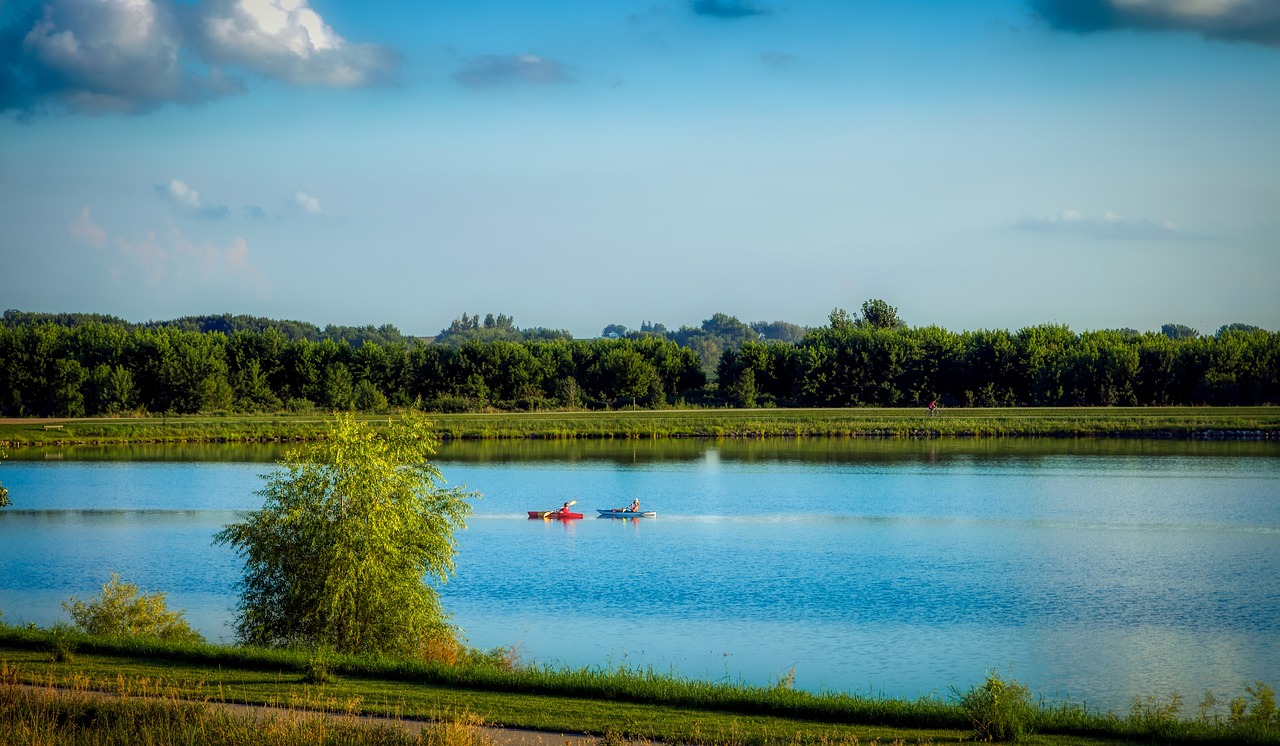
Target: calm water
{"points": [[1095, 570]]}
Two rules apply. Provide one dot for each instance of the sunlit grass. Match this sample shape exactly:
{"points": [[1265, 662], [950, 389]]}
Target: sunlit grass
{"points": [[1145, 422], [74, 709], [615, 701]]}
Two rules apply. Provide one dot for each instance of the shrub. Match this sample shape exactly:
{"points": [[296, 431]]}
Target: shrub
{"points": [[121, 611], [1264, 711], [300, 406], [62, 644], [1160, 717], [319, 667], [999, 710]]}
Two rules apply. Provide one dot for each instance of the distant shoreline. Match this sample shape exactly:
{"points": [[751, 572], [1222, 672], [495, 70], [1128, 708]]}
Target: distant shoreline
{"points": [[1150, 423]]}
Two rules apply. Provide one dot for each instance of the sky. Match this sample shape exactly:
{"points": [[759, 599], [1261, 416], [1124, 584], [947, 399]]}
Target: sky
{"points": [[984, 164]]}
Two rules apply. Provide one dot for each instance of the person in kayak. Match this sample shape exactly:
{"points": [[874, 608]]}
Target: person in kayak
{"points": [[564, 509], [634, 507]]}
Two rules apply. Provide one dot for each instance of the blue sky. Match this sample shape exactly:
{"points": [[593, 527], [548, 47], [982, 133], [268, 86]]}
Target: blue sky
{"points": [[986, 164]]}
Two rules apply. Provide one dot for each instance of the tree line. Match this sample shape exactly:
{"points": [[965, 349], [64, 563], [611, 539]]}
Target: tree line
{"points": [[96, 366]]}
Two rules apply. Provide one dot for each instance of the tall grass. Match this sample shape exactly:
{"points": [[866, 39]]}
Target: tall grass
{"points": [[999, 710], [495, 672], [74, 715]]}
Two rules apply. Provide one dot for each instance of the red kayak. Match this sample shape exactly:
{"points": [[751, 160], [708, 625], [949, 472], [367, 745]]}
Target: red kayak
{"points": [[553, 514]]}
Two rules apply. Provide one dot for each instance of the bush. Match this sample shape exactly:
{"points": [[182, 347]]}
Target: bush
{"points": [[1263, 712], [120, 611], [999, 710], [319, 667], [62, 643], [300, 406], [448, 404]]}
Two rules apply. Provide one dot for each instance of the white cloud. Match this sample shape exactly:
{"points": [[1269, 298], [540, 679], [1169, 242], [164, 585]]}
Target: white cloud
{"points": [[288, 40], [491, 70], [186, 201], [131, 56], [84, 228], [1110, 225], [105, 56], [184, 194], [172, 261], [308, 203], [1184, 8]]}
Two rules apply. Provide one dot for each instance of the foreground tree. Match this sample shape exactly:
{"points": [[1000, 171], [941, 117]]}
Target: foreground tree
{"points": [[339, 553]]}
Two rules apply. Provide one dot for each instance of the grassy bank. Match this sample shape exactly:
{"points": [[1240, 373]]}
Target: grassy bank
{"points": [[73, 714], [1136, 422], [638, 704]]}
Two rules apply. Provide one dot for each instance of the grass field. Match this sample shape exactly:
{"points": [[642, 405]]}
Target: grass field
{"points": [[1135, 422], [603, 702]]}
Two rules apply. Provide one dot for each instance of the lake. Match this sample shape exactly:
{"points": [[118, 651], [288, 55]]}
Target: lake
{"points": [[1092, 570]]}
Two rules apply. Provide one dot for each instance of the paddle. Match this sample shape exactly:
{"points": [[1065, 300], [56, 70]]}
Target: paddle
{"points": [[549, 513]]}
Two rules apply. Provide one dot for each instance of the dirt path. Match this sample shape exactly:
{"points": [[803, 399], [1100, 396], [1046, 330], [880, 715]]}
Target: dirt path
{"points": [[499, 736]]}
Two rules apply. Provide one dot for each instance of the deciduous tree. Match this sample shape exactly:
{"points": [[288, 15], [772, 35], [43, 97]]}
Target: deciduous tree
{"points": [[337, 555]]}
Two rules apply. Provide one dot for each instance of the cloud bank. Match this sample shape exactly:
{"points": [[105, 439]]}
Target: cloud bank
{"points": [[172, 260], [1109, 226], [288, 41], [132, 56], [1253, 21], [491, 70]]}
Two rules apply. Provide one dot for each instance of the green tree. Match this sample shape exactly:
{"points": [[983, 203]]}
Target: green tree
{"points": [[840, 320], [880, 315], [349, 528], [368, 398], [1178, 331], [621, 373], [339, 390], [252, 391], [780, 331], [119, 610], [1236, 327]]}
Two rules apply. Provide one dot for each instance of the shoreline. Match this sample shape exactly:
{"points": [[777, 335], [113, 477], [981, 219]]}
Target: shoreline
{"points": [[1141, 423]]}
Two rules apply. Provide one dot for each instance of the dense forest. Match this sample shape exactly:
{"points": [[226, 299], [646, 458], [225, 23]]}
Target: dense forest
{"points": [[87, 364]]}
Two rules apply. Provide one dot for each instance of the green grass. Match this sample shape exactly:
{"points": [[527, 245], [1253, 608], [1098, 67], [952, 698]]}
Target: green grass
{"points": [[1140, 422], [638, 704], [71, 714]]}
